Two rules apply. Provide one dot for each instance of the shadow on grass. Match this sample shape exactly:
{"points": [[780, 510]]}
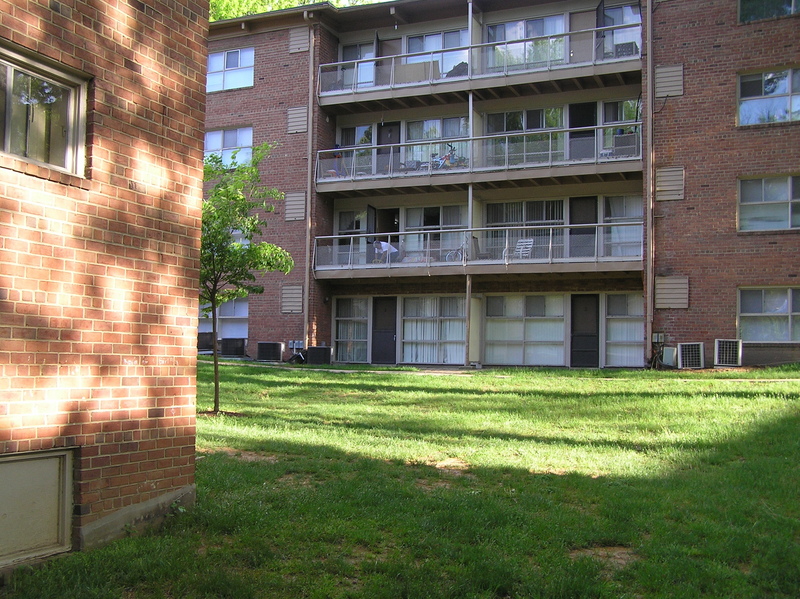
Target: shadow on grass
{"points": [[295, 520]]}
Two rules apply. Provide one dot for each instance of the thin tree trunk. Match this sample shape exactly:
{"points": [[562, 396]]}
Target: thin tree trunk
{"points": [[215, 353]]}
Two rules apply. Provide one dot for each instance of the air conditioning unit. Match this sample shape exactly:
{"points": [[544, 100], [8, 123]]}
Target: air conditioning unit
{"points": [[232, 347], [669, 357], [319, 355], [727, 352], [626, 49], [691, 355], [205, 341], [270, 352]]}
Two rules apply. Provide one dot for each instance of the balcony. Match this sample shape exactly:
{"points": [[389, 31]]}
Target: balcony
{"points": [[478, 66], [472, 156], [532, 249]]}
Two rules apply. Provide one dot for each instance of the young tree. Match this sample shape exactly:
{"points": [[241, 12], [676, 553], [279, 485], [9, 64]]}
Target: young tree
{"points": [[233, 215]]}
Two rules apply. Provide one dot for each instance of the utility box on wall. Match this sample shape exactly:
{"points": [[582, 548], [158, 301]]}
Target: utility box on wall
{"points": [[35, 505]]}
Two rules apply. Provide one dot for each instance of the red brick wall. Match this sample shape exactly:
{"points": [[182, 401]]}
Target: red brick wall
{"points": [[99, 275], [280, 83], [698, 236]]}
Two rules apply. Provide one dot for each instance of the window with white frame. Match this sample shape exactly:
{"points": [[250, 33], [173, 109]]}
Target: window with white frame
{"points": [[350, 247], [43, 113], [230, 69], [769, 97], [622, 42], [434, 47], [752, 10], [624, 345], [525, 120], [769, 204], [435, 129], [525, 330], [541, 143], [361, 70], [542, 43], [230, 144], [512, 219], [434, 330], [360, 135], [770, 314], [624, 214], [431, 222], [232, 319], [351, 324], [621, 130]]}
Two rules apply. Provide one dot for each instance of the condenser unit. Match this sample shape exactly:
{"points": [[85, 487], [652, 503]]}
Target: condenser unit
{"points": [[669, 357], [270, 351], [727, 352], [690, 355], [232, 347]]}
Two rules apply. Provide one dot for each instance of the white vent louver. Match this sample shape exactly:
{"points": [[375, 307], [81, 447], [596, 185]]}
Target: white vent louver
{"points": [[727, 352], [690, 355]]}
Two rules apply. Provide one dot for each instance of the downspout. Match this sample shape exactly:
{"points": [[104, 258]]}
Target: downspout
{"points": [[307, 17], [650, 188], [467, 250], [469, 318]]}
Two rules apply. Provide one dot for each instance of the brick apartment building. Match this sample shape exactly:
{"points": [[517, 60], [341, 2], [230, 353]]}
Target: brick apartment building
{"points": [[100, 198], [556, 183]]}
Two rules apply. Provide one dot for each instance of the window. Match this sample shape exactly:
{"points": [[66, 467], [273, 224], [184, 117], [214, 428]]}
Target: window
{"points": [[360, 74], [621, 133], [545, 215], [437, 128], [434, 218], [357, 136], [231, 69], [624, 329], [769, 97], [624, 235], [351, 330], [447, 128], [43, 113], [751, 10], [230, 144], [769, 314], [541, 145], [434, 330], [622, 41], [433, 46], [525, 330], [769, 204], [548, 48]]}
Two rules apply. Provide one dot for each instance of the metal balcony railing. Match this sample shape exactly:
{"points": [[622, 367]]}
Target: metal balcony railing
{"points": [[574, 48], [543, 148], [606, 242]]}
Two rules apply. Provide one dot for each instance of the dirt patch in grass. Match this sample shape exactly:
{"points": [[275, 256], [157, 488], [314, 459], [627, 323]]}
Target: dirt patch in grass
{"points": [[296, 480], [245, 456], [453, 465], [613, 558]]}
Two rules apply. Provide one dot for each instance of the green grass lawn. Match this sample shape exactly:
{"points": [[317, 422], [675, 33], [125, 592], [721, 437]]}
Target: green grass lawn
{"points": [[480, 484]]}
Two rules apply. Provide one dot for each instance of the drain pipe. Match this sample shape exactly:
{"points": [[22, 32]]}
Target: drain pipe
{"points": [[308, 18], [650, 189]]}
